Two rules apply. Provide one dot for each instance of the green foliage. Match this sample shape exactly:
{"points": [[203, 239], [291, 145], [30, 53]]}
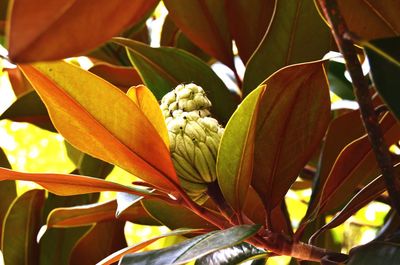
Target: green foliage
{"points": [[281, 142]]}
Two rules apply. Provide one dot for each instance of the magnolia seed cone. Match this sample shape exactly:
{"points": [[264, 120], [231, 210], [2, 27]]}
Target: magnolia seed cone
{"points": [[194, 138]]}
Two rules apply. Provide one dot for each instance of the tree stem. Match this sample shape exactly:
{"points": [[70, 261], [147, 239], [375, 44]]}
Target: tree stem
{"points": [[361, 89]]}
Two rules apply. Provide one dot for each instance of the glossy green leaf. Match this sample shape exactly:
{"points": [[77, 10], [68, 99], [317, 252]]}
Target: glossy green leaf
{"points": [[29, 108], [20, 228], [8, 191], [355, 165], [374, 253], [164, 68], [49, 37], [193, 248], [293, 116], [102, 240], [362, 198], [79, 104], [235, 154], [173, 216], [182, 42], [56, 244], [205, 23], [297, 34], [248, 23], [338, 82], [384, 59], [371, 19], [232, 255], [132, 249]]}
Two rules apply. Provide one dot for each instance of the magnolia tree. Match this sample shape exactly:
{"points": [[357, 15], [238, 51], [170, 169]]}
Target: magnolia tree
{"points": [[211, 160]]}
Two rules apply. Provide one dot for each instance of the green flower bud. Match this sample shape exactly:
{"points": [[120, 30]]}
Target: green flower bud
{"points": [[194, 138]]}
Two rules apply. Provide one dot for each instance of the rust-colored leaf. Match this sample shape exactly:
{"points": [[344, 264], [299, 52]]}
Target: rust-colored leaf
{"points": [[102, 240], [66, 184], [120, 76], [293, 116], [205, 23], [100, 120], [248, 22], [148, 104], [50, 30]]}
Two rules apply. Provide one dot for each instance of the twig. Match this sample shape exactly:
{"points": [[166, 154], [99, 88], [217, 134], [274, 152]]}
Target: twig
{"points": [[360, 85]]}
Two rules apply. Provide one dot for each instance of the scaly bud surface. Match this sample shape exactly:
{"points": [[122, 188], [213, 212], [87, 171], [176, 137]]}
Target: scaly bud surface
{"points": [[194, 138]]}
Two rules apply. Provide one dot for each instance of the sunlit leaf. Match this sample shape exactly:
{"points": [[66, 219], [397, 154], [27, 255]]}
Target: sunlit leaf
{"points": [[293, 116], [100, 120], [248, 22], [235, 154], [162, 69], [205, 23], [232, 255], [384, 59], [51, 25], [173, 216], [297, 34], [18, 81], [132, 249], [20, 228], [66, 184], [103, 239], [192, 248], [148, 104], [119, 76], [29, 108]]}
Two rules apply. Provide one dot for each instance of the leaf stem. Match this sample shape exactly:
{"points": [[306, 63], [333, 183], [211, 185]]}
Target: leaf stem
{"points": [[361, 89]]}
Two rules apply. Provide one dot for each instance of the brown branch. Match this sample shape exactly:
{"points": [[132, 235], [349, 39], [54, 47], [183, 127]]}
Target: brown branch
{"points": [[360, 85]]}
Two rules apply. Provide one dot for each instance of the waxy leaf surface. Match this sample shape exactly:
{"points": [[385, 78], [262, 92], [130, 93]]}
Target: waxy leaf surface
{"points": [[100, 120], [235, 154], [20, 228], [248, 22], [293, 116], [50, 30], [296, 35], [162, 69], [205, 23], [192, 248]]}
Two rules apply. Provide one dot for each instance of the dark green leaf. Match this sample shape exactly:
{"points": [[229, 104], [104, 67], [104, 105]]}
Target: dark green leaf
{"points": [[375, 253], [164, 68], [297, 34], [20, 228], [248, 22], [384, 60], [29, 108], [102, 240], [338, 83], [232, 255], [193, 248], [182, 42]]}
